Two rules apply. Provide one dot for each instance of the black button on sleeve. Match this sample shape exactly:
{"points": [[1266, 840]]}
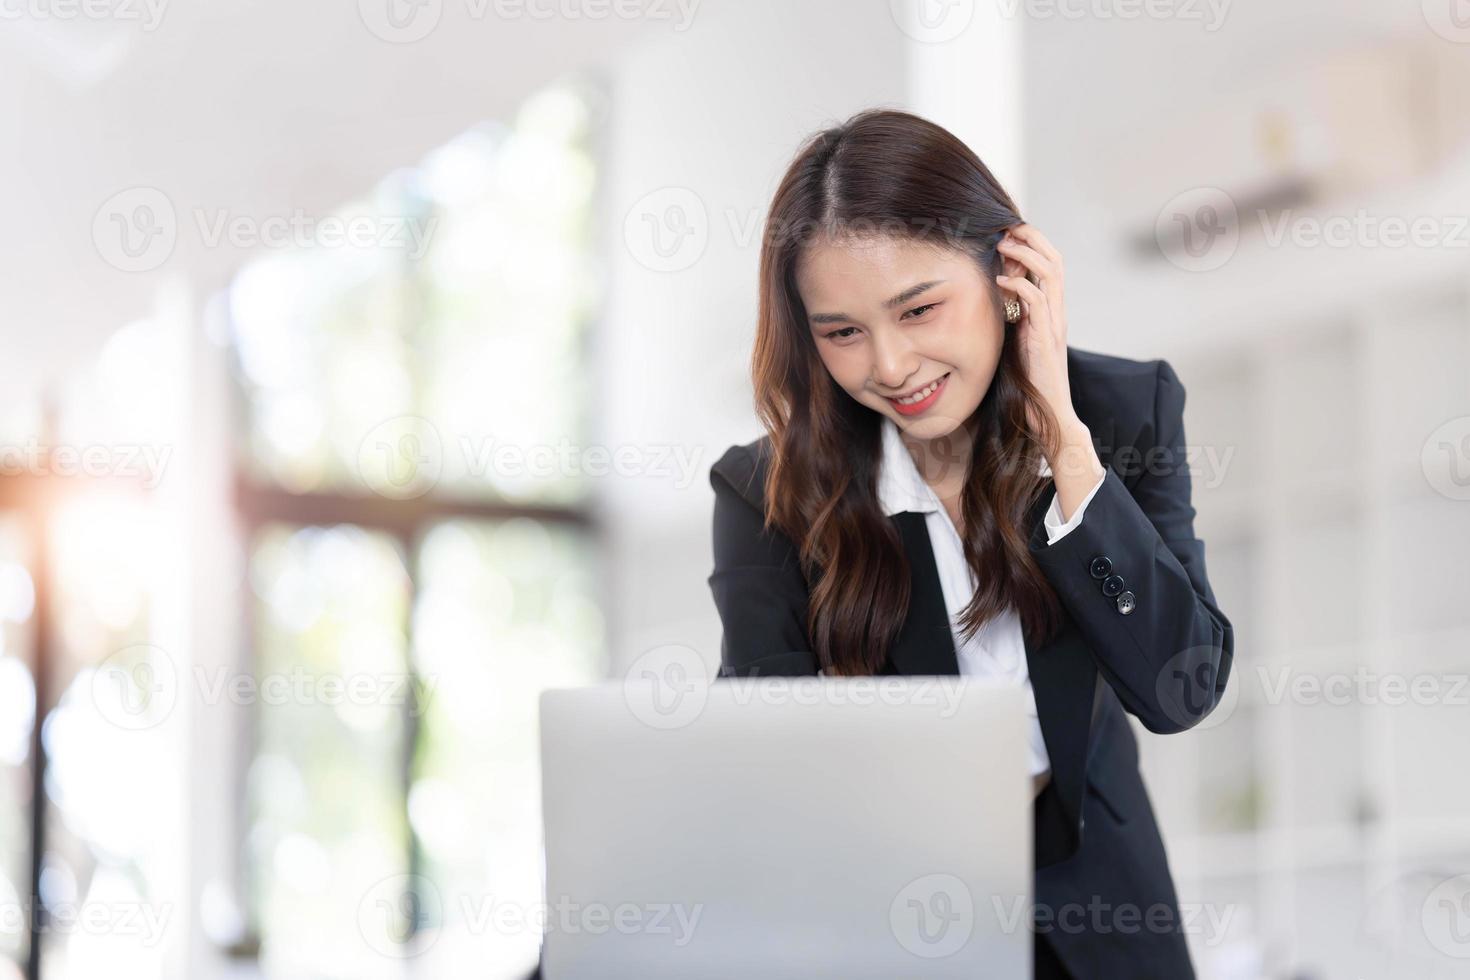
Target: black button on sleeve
{"points": [[1126, 603], [1100, 566], [1112, 585]]}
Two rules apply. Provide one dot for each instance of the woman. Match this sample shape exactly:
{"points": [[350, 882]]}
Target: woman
{"points": [[947, 488]]}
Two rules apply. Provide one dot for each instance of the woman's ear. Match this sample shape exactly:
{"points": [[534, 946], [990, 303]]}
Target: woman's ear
{"points": [[1012, 267]]}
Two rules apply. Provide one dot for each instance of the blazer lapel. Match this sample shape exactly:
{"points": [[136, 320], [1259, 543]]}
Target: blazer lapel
{"points": [[1064, 678], [924, 644]]}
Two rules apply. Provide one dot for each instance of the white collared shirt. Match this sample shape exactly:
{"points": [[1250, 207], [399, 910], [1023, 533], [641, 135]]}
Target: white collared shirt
{"points": [[998, 649]]}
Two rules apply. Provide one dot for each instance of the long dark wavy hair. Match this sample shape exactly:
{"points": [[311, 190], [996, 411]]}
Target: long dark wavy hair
{"points": [[889, 172]]}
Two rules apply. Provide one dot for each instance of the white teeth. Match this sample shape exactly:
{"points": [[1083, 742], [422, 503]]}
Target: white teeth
{"points": [[919, 396]]}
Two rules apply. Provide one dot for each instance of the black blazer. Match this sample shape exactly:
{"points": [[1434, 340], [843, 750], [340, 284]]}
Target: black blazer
{"points": [[1103, 890]]}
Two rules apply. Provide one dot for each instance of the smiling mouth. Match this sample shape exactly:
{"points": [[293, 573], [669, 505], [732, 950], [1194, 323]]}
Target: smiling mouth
{"points": [[918, 394]]}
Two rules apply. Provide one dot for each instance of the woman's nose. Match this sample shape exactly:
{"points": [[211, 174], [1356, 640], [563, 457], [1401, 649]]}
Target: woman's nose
{"points": [[893, 360]]}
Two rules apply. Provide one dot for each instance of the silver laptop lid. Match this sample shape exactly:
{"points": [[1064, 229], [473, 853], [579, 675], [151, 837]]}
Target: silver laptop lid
{"points": [[787, 828]]}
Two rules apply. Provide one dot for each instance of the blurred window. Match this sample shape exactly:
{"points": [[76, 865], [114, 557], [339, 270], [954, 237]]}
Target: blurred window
{"points": [[421, 556]]}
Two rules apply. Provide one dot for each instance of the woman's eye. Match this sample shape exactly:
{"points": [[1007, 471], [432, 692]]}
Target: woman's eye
{"points": [[841, 334], [921, 310]]}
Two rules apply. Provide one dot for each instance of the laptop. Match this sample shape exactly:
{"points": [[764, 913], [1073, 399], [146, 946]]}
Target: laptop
{"points": [[786, 828]]}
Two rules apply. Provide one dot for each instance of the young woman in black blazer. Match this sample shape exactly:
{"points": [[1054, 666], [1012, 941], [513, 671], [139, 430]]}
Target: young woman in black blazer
{"points": [[893, 264]]}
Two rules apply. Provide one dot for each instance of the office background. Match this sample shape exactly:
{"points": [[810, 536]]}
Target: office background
{"points": [[364, 363]]}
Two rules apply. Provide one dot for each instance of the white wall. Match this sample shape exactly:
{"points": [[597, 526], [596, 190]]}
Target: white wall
{"points": [[716, 114]]}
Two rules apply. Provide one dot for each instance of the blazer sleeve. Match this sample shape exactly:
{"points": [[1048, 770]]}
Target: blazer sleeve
{"points": [[1169, 656], [757, 582]]}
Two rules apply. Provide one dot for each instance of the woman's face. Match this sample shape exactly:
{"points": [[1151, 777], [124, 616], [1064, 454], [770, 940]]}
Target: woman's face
{"points": [[891, 316]]}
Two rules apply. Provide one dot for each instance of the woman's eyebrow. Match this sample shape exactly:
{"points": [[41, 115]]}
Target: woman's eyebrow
{"points": [[898, 300]]}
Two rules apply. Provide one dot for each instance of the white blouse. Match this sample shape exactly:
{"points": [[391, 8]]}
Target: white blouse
{"points": [[998, 649]]}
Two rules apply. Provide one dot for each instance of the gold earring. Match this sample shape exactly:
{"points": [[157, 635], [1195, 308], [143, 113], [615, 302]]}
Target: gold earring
{"points": [[1013, 310]]}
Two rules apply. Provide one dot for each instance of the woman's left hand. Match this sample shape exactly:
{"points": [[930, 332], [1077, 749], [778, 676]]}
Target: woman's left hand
{"points": [[1043, 325]]}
